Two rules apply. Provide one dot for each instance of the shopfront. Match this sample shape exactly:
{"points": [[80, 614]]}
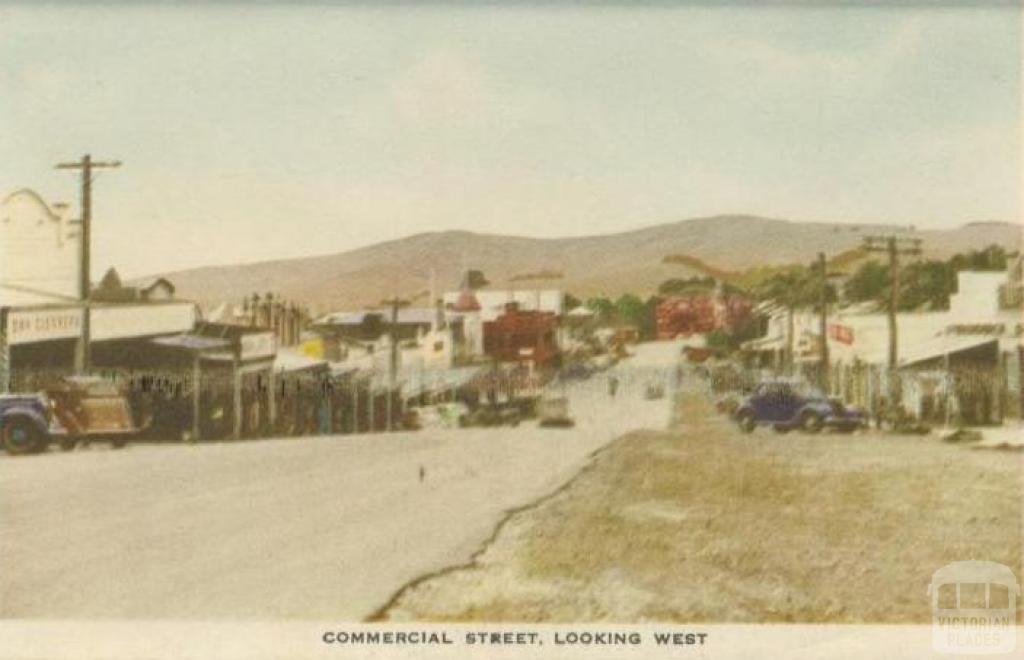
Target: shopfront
{"points": [[39, 342]]}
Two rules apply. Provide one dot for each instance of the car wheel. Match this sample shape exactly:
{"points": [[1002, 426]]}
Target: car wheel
{"points": [[811, 422], [118, 443], [21, 436], [67, 445], [781, 429], [746, 421], [846, 429]]}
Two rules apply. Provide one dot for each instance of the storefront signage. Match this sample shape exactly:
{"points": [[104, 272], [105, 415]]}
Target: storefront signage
{"points": [[840, 333], [25, 326], [257, 345]]}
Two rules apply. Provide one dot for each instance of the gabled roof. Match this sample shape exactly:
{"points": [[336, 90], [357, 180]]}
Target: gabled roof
{"points": [[157, 282]]}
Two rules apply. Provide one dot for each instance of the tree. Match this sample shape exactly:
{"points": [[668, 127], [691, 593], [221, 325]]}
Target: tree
{"points": [[926, 285], [793, 288], [923, 284], [602, 307], [630, 309], [571, 302], [680, 286], [649, 329], [993, 257], [720, 340], [869, 282]]}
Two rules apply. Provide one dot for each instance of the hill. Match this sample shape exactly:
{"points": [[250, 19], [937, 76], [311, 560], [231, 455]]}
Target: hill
{"points": [[609, 264]]}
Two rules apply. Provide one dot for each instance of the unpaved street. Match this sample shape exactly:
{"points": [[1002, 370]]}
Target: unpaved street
{"points": [[703, 523], [323, 527]]}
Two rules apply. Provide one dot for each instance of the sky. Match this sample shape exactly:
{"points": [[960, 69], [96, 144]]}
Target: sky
{"points": [[254, 133]]}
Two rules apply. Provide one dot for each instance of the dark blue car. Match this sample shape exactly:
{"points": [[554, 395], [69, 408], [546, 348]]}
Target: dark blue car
{"points": [[786, 405], [26, 423]]}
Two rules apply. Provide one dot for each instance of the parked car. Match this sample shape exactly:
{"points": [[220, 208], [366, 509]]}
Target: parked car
{"points": [[786, 405], [73, 410], [491, 416], [554, 412], [26, 423]]}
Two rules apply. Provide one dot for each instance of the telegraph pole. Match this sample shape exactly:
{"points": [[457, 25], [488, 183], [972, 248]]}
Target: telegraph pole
{"points": [[86, 166], [395, 303], [895, 247], [823, 323]]}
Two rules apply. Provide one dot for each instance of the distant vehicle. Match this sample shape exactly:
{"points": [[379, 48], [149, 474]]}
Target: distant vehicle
{"points": [[786, 405], [554, 412], [490, 416], [73, 410], [654, 391], [577, 371]]}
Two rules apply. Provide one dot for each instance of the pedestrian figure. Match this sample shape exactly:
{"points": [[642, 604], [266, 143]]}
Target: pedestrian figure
{"points": [[423, 474], [613, 386]]}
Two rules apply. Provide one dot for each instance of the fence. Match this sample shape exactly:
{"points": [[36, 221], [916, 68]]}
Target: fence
{"points": [[961, 395]]}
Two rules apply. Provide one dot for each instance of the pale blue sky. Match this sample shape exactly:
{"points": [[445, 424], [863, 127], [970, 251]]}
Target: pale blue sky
{"points": [[267, 132]]}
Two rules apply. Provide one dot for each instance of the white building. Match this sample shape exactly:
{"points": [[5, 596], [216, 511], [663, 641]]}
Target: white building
{"points": [[492, 301], [972, 352], [39, 252], [41, 314]]}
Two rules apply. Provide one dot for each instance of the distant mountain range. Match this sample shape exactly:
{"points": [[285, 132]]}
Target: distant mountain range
{"points": [[609, 264]]}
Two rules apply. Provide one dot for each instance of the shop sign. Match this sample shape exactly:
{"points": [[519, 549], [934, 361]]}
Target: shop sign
{"points": [[840, 333], [257, 345], [32, 325]]}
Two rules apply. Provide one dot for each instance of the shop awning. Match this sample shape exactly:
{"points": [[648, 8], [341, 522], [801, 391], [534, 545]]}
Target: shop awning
{"points": [[941, 345], [764, 344], [415, 381], [192, 343], [289, 361]]}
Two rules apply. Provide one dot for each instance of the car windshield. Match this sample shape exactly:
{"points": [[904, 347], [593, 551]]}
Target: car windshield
{"points": [[809, 391], [92, 387], [799, 388]]}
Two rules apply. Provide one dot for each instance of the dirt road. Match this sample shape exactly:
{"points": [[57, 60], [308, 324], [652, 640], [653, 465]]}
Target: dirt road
{"points": [[703, 523], [325, 527]]}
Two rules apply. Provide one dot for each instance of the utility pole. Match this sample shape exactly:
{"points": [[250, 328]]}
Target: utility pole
{"points": [[895, 247], [823, 323], [86, 166], [394, 303]]}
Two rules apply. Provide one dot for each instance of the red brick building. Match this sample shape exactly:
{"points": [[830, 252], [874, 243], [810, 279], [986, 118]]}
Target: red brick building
{"points": [[522, 336], [700, 314]]}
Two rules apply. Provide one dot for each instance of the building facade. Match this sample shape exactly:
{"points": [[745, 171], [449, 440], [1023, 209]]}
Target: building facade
{"points": [[519, 335], [42, 311], [701, 313]]}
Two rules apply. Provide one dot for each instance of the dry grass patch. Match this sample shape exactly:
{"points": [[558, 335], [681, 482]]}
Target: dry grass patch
{"points": [[705, 524]]}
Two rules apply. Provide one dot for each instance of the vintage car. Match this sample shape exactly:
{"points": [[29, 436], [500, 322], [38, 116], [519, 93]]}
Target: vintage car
{"points": [[73, 410], [491, 415], [786, 405], [554, 412]]}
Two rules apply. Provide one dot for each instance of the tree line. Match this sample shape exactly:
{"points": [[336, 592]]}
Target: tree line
{"points": [[925, 284]]}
